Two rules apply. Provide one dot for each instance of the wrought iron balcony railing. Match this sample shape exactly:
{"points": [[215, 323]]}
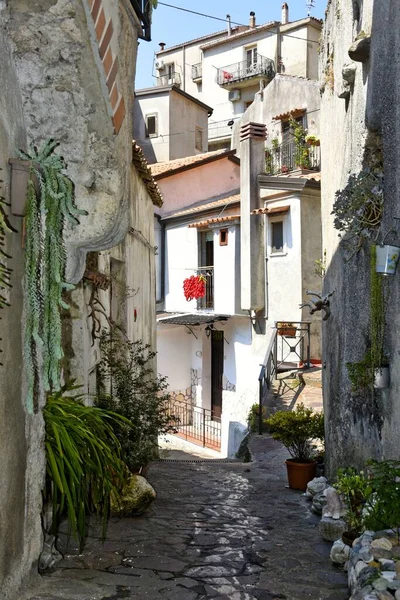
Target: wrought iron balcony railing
{"points": [[207, 302], [289, 156], [143, 11], [197, 71], [243, 70], [174, 79]]}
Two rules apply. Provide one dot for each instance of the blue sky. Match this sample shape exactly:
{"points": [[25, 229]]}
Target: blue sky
{"points": [[174, 26]]}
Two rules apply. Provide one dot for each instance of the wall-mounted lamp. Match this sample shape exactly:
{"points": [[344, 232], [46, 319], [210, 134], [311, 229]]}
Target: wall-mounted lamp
{"points": [[208, 330]]}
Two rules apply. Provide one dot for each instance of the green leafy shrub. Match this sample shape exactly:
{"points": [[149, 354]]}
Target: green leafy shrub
{"points": [[384, 509], [253, 418], [297, 430], [355, 489], [84, 465], [129, 386]]}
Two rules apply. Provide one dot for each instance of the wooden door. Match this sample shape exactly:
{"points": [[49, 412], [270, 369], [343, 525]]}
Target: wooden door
{"points": [[217, 371]]}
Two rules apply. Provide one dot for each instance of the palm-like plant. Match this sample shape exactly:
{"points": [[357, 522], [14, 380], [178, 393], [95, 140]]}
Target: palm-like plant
{"points": [[84, 465]]}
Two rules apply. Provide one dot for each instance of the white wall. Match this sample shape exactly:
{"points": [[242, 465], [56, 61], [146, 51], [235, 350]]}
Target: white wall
{"points": [[174, 358], [181, 261], [225, 281], [156, 149]]}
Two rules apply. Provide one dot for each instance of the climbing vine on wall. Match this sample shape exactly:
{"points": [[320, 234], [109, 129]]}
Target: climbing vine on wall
{"points": [[45, 258], [5, 271]]}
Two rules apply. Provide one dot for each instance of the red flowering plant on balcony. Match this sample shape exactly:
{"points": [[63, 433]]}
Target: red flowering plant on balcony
{"points": [[194, 287]]}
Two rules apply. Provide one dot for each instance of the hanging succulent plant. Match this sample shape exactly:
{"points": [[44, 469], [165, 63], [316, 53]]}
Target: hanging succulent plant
{"points": [[5, 271], [45, 260]]}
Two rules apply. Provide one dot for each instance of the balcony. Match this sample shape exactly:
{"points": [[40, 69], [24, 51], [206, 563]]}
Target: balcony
{"points": [[207, 302], [174, 79], [220, 130], [197, 72], [142, 9], [242, 73], [289, 156]]}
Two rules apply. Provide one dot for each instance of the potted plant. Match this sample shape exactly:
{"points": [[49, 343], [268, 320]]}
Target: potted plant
{"points": [[298, 430], [387, 258], [355, 490], [312, 140], [286, 329]]}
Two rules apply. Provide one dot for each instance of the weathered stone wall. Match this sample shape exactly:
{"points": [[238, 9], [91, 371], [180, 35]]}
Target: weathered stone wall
{"points": [[67, 69], [65, 55], [21, 436], [366, 424]]}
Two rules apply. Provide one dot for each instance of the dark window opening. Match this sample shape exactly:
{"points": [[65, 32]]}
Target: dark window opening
{"points": [[223, 237], [276, 236], [151, 126]]}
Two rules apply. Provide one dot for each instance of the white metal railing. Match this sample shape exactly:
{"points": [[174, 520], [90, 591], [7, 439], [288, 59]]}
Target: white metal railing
{"points": [[245, 70], [174, 79]]}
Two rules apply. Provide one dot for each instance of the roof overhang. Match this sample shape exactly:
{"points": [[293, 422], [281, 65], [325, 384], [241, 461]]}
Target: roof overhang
{"points": [[192, 319], [290, 184]]}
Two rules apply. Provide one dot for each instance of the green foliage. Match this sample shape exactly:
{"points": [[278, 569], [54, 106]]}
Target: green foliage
{"points": [[302, 151], [320, 266], [253, 417], [358, 208], [355, 489], [297, 430], [362, 373], [268, 161], [84, 465], [384, 509], [275, 143], [129, 386], [5, 271], [45, 260]]}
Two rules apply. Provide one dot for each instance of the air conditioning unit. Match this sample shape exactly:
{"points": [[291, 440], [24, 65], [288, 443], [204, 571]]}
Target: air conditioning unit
{"points": [[234, 95], [159, 64]]}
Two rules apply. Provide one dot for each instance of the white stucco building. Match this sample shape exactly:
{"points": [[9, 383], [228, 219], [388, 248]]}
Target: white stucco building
{"points": [[254, 238], [226, 69], [169, 123]]}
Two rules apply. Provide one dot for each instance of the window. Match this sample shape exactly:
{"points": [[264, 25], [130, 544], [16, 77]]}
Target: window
{"points": [[151, 126], [198, 138], [277, 235], [223, 237], [171, 73], [251, 58]]}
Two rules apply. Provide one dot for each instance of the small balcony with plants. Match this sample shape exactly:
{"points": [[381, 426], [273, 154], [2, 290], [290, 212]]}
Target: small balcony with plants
{"points": [[242, 74], [197, 72], [300, 151]]}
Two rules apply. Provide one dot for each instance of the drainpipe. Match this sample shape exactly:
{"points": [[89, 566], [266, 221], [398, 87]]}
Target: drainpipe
{"points": [[184, 66], [278, 57], [160, 275]]}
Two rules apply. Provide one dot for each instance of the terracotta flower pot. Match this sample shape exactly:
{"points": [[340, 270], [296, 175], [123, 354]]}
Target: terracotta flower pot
{"points": [[300, 473]]}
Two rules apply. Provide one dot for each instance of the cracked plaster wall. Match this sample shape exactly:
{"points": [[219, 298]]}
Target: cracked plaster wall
{"points": [[359, 426]]}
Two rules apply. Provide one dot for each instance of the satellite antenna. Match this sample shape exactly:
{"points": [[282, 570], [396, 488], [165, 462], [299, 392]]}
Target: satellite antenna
{"points": [[310, 5]]}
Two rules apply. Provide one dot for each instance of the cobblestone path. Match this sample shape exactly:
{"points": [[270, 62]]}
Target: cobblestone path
{"points": [[217, 530]]}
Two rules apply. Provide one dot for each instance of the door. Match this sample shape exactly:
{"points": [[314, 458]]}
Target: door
{"points": [[217, 371]]}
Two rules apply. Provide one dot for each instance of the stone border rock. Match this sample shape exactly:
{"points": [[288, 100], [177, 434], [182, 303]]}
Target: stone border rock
{"points": [[372, 563]]}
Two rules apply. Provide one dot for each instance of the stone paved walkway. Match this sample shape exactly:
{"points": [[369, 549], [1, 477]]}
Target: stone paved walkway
{"points": [[226, 531]]}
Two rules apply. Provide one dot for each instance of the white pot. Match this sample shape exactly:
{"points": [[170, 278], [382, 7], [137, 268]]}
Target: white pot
{"points": [[381, 378], [386, 259]]}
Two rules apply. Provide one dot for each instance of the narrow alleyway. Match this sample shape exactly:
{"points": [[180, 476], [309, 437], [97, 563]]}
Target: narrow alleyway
{"points": [[229, 531]]}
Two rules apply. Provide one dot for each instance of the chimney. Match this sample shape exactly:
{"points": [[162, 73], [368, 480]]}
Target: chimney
{"points": [[285, 14], [162, 46], [252, 163], [228, 20], [252, 22]]}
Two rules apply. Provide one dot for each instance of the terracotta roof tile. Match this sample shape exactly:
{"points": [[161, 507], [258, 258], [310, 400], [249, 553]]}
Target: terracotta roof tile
{"points": [[204, 207], [271, 211], [215, 220], [170, 166], [142, 167]]}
